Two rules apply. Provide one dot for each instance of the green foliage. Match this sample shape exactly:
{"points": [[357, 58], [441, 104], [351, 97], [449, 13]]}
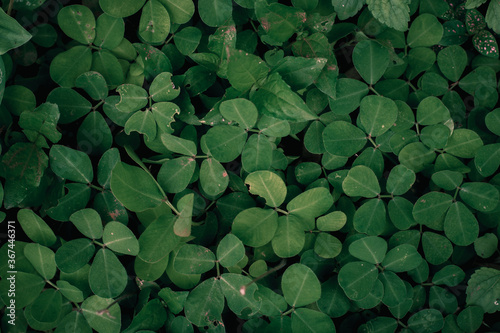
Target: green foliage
{"points": [[300, 166]]}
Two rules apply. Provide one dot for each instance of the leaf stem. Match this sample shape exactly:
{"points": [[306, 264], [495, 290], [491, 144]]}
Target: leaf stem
{"points": [[411, 86], [373, 142], [11, 5], [286, 313], [95, 187], [279, 210], [98, 243], [218, 268], [101, 102], [169, 204], [373, 89], [417, 128], [386, 196], [456, 193], [52, 284]]}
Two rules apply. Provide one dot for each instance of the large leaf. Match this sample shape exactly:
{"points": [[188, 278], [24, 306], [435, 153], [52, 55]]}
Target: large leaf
{"points": [[107, 276], [371, 249], [77, 22], [158, 240], [460, 225], [255, 226], [357, 279], [225, 142], [205, 303], [483, 289], [35, 227], [133, 196], [108, 322], [377, 114], [42, 258], [215, 13], [194, 259], [371, 59], [154, 24], [118, 8], [361, 181], [307, 320], [343, 139], [310, 204], [119, 238]]}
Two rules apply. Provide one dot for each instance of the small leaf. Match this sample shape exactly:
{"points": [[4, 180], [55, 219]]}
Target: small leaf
{"points": [[452, 62], [215, 13], [194, 259], [268, 185], [225, 142], [394, 289], [460, 225], [118, 8], [255, 226], [14, 35], [109, 31], [74, 254], [437, 248], [481, 196], [431, 110], [67, 66], [307, 320], [425, 30], [377, 114], [180, 11], [470, 319], [175, 175], [70, 292], [179, 145], [402, 258], [154, 25], [230, 251], [463, 143], [486, 245], [239, 293], [343, 139], [119, 238], [240, 110], [357, 279], [162, 88], [371, 59], [486, 44], [213, 177], [47, 306], [450, 275], [88, 222], [370, 218], [333, 221], [371, 249], [77, 22], [300, 285], [205, 303], [289, 238], [311, 203], [427, 320], [431, 207], [71, 164], [187, 40], [93, 83], [327, 246], [32, 286], [42, 258], [132, 98], [447, 179], [108, 322], [158, 240], [151, 317], [107, 276], [400, 180], [35, 227], [361, 181], [134, 198]]}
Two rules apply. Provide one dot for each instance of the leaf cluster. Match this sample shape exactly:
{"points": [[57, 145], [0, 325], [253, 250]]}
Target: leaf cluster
{"points": [[303, 166]]}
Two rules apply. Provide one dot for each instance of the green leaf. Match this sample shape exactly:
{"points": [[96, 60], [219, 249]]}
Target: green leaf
{"points": [[67, 66], [394, 14], [119, 238], [133, 197], [118, 8], [347, 96], [77, 197], [431, 110], [150, 319], [32, 286], [25, 162], [93, 83], [361, 181], [483, 289], [42, 120], [71, 104], [470, 319], [255, 226], [77, 22], [205, 303], [437, 248], [73, 322], [241, 111], [492, 16], [416, 156], [154, 25], [179, 145], [347, 8], [230, 251], [194, 259], [452, 62], [239, 293], [425, 31], [42, 258], [450, 275], [213, 177], [176, 174], [74, 254], [132, 98], [13, 34], [47, 306], [481, 196], [307, 320], [463, 143], [311, 203], [162, 88], [371, 249], [69, 291], [35, 227], [88, 222], [215, 13], [460, 225], [300, 285], [377, 114], [158, 240], [276, 99], [447, 179], [486, 245], [109, 31], [427, 320], [268, 185], [71, 164], [333, 221], [431, 207], [357, 279], [110, 322], [394, 289], [94, 136], [371, 59], [180, 11], [400, 212], [107, 276], [289, 238], [370, 218], [258, 153], [400, 180], [279, 21], [187, 40], [402, 258], [380, 324], [343, 139], [298, 72], [225, 142], [327, 246]]}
